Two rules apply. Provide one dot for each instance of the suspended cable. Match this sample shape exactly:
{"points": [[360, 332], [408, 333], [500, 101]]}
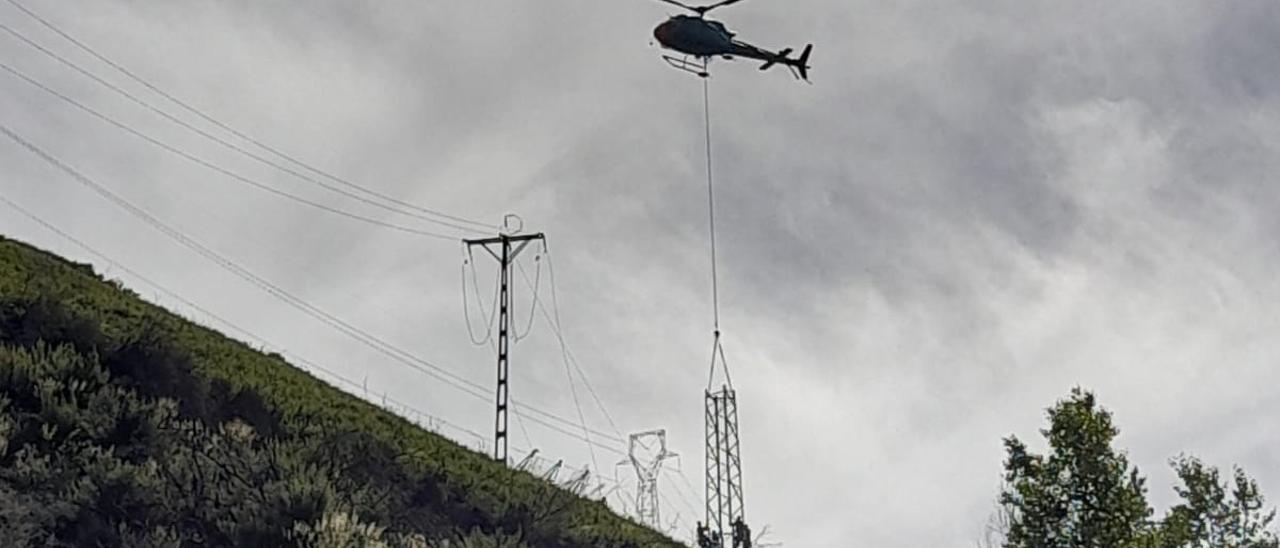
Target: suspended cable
{"points": [[261, 341], [579, 436], [684, 496], [717, 353], [221, 141], [717, 349], [711, 207], [564, 345], [672, 507], [214, 167], [262, 145], [537, 286], [567, 351], [401, 356], [570, 424], [361, 336], [468, 260], [476, 226], [520, 421], [219, 319], [568, 373], [687, 483], [259, 158]]}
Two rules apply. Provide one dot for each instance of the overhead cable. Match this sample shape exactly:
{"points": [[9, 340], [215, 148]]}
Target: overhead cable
{"points": [[568, 373], [225, 322], [433, 419], [537, 288], [310, 310], [554, 319], [468, 261], [214, 167], [399, 355], [476, 226]]}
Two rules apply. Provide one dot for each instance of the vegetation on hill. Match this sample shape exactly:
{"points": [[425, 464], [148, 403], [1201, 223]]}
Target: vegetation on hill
{"points": [[1084, 493], [124, 425]]}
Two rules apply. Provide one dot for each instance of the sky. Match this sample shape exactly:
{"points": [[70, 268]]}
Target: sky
{"points": [[976, 207]]}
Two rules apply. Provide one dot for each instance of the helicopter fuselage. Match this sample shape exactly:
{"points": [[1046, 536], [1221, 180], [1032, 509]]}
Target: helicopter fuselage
{"points": [[704, 38]]}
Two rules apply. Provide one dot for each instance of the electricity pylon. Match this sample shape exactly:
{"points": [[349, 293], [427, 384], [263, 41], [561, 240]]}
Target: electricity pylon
{"points": [[508, 247], [724, 507], [647, 475]]}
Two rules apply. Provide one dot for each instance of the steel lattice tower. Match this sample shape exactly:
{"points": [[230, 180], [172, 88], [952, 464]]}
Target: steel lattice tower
{"points": [[725, 512], [647, 472]]}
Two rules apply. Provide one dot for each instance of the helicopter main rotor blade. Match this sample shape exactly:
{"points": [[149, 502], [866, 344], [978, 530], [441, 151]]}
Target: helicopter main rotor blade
{"points": [[704, 9], [683, 5]]}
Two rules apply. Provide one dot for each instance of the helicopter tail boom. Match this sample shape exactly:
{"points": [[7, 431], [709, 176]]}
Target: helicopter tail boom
{"points": [[800, 65], [782, 56]]}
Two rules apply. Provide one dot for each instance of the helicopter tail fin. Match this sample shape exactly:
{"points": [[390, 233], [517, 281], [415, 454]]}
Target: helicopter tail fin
{"points": [[802, 64]]}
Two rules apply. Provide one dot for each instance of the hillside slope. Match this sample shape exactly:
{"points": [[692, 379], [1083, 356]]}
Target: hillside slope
{"points": [[122, 424]]}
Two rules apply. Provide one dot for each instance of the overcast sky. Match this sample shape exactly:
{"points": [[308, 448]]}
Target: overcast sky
{"points": [[976, 207]]}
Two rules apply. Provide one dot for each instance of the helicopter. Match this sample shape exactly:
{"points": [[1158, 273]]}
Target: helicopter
{"points": [[704, 38]]}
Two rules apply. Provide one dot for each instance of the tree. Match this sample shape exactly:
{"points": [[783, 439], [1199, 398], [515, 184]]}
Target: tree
{"points": [[1215, 514], [1082, 493]]}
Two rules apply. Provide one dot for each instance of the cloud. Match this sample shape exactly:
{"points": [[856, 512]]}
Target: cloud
{"points": [[973, 209]]}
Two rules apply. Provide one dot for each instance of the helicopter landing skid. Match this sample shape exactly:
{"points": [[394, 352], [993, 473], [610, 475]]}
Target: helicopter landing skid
{"points": [[697, 68]]}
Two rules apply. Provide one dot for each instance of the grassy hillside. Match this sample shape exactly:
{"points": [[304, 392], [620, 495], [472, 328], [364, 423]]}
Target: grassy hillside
{"points": [[123, 424]]}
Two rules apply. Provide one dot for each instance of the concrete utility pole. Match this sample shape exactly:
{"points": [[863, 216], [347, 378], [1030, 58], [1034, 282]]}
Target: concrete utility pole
{"points": [[505, 248], [647, 475]]}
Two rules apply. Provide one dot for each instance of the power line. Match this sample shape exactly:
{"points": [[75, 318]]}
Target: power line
{"points": [[215, 138], [401, 356], [537, 287], [434, 419], [684, 495], [210, 165], [520, 421], [468, 261], [287, 157], [553, 318], [260, 144], [225, 322], [232, 326], [693, 512], [568, 373], [245, 274], [236, 148], [564, 345]]}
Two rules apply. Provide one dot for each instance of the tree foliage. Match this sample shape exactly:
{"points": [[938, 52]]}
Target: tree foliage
{"points": [[1084, 493], [1217, 513]]}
